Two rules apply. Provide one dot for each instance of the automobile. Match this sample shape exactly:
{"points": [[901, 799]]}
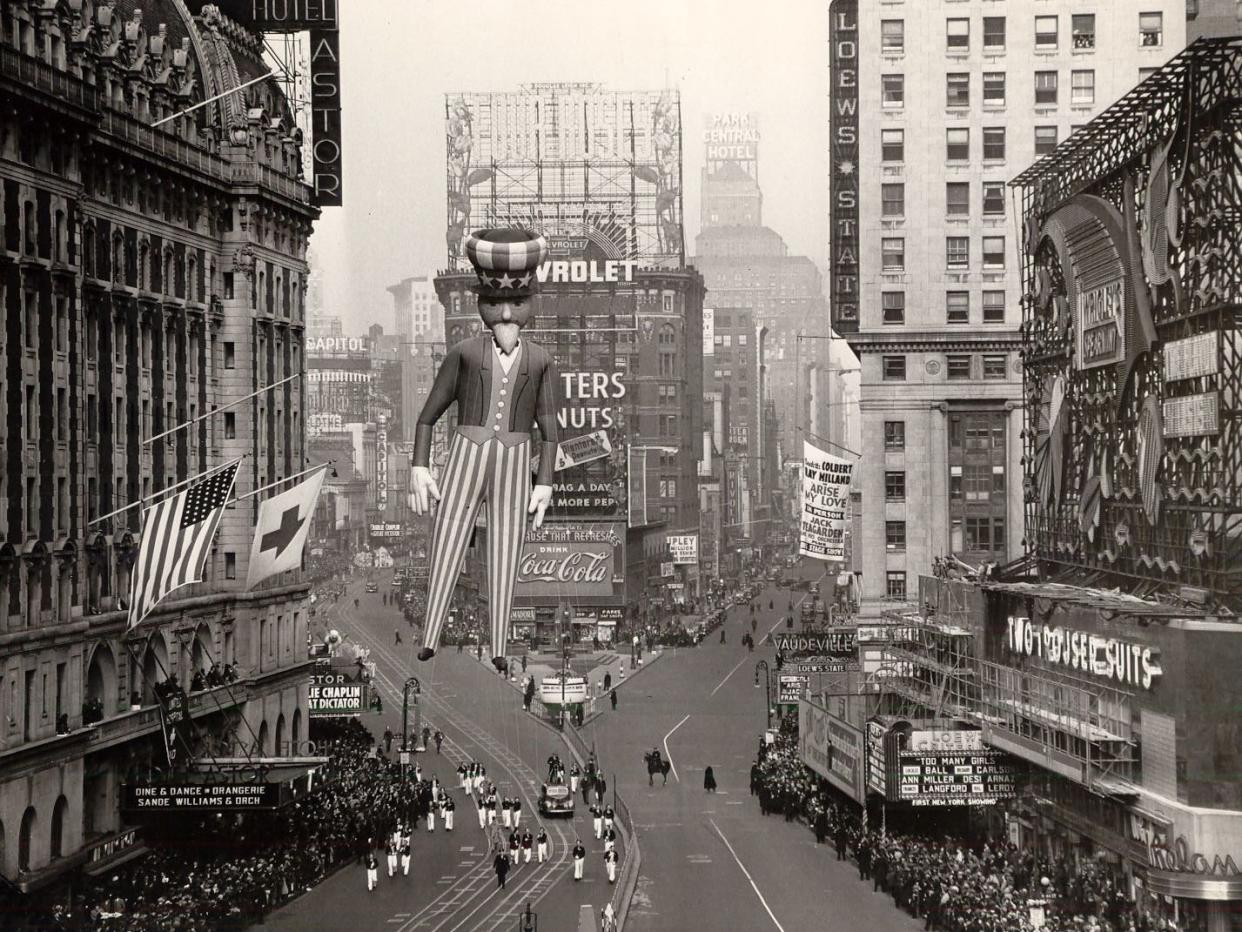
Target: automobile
{"points": [[372, 587], [556, 799], [815, 589]]}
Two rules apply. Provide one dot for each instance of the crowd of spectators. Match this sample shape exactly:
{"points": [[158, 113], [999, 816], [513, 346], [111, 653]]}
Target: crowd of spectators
{"points": [[225, 872], [954, 884]]}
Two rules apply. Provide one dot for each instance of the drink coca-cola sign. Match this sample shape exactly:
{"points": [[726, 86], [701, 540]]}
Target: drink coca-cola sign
{"points": [[571, 565]]}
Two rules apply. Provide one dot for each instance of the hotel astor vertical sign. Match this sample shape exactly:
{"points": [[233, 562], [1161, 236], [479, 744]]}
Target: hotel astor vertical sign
{"points": [[844, 123]]}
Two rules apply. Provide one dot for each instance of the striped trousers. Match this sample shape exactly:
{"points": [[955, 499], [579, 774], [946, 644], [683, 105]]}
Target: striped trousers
{"points": [[476, 473]]}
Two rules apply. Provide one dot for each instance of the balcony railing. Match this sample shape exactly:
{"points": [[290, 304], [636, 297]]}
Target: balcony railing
{"points": [[32, 73]]}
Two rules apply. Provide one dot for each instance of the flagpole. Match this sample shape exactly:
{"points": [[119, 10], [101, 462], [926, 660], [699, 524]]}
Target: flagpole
{"points": [[803, 430], [272, 485], [164, 491], [214, 411]]}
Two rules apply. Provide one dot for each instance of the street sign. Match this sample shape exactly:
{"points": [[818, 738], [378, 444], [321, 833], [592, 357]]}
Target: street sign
{"points": [[824, 665], [404, 758]]}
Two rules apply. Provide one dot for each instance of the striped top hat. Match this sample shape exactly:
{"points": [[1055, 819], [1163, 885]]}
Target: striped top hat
{"points": [[505, 261]]}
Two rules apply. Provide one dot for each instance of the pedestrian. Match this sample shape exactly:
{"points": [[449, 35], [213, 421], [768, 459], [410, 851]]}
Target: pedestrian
{"points": [[372, 871], [612, 697], [575, 774], [607, 681], [397, 635], [841, 840], [391, 850], [388, 736], [482, 803], [447, 813], [579, 859], [610, 839], [439, 739], [500, 864], [506, 813], [431, 817], [528, 841], [722, 635], [597, 821], [516, 807], [541, 841], [586, 790], [709, 780], [609, 816], [524, 670], [491, 808], [601, 789], [610, 862], [608, 918], [515, 844], [405, 858], [821, 826]]}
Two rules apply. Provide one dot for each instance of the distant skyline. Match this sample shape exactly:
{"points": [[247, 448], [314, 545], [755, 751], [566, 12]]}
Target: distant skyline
{"points": [[400, 58]]}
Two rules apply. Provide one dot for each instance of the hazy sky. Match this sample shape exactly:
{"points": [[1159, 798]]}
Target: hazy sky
{"points": [[400, 57]]}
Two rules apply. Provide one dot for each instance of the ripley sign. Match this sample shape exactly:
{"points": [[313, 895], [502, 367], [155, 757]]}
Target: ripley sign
{"points": [[1105, 657]]}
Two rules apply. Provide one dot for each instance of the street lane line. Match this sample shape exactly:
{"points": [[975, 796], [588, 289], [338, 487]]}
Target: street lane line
{"points": [[753, 885], [667, 753], [729, 674]]}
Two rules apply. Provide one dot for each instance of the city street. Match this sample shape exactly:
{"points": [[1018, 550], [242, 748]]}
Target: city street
{"points": [[452, 885]]}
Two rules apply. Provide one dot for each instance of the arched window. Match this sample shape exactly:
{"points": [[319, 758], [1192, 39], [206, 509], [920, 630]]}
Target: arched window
{"points": [[280, 749], [58, 827], [295, 734], [24, 838], [264, 748], [101, 685]]}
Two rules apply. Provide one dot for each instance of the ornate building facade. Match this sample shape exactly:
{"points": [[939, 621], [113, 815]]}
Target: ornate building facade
{"points": [[152, 270]]}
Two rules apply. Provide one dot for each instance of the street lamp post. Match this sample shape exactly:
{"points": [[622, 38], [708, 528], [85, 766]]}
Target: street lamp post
{"points": [[410, 684], [767, 693]]}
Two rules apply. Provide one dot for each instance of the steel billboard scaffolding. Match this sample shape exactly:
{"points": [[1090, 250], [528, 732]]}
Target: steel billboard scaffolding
{"points": [[574, 161]]}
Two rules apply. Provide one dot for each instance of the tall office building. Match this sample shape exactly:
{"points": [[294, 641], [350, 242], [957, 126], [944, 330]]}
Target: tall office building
{"points": [[150, 274], [416, 309], [944, 102]]}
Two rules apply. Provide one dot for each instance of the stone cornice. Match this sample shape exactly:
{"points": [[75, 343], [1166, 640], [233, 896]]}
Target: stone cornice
{"points": [[935, 341]]}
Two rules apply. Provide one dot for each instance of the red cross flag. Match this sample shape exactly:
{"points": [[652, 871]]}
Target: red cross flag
{"points": [[280, 535]]}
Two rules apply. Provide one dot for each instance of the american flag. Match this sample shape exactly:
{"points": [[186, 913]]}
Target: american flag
{"points": [[176, 538]]}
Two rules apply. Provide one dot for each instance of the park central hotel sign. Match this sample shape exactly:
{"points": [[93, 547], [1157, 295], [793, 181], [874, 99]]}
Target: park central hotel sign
{"points": [[844, 161]]}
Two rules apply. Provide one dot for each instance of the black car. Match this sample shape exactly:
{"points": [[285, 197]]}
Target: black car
{"points": [[556, 799], [372, 587]]}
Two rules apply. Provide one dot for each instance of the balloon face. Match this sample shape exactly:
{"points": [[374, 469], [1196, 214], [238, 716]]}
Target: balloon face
{"points": [[510, 310]]}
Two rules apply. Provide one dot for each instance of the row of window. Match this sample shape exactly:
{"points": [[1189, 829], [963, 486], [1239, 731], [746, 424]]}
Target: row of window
{"points": [[1047, 33], [970, 483], [957, 89], [957, 253], [957, 199], [957, 144], [974, 534], [960, 366], [957, 307], [971, 433]]}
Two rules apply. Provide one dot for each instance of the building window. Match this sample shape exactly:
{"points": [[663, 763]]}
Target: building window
{"points": [[994, 252], [894, 307], [1045, 32], [895, 486], [998, 480], [892, 36], [993, 33], [955, 475], [957, 252], [894, 368], [894, 535], [1145, 73], [1151, 29], [230, 355], [957, 34], [957, 89], [994, 366], [959, 366], [1082, 87], [230, 425], [1045, 88], [993, 198], [896, 584], [994, 88], [893, 253], [894, 436], [957, 144], [985, 534], [1045, 139], [994, 143], [1082, 25], [893, 145], [230, 564], [978, 483], [893, 87], [893, 200], [957, 198], [957, 307], [994, 307]]}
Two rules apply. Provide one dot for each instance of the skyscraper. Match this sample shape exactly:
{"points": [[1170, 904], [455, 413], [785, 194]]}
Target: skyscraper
{"points": [[944, 102]]}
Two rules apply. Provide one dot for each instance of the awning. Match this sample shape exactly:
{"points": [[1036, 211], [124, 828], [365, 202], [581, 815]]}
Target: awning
{"points": [[1188, 886]]}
